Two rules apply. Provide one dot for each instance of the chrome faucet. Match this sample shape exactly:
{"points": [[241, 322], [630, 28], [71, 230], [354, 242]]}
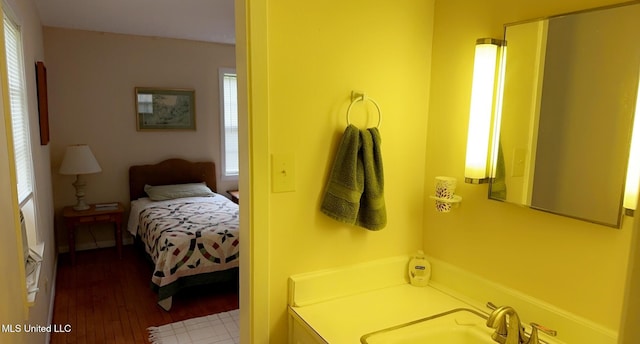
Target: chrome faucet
{"points": [[513, 332]]}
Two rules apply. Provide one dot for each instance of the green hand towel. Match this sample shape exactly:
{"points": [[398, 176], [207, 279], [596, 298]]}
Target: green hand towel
{"points": [[373, 213], [341, 199]]}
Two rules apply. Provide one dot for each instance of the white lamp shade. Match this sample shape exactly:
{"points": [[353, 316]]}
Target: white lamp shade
{"points": [[78, 159]]}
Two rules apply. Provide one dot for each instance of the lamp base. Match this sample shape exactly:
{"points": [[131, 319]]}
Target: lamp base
{"points": [[80, 184], [81, 206]]}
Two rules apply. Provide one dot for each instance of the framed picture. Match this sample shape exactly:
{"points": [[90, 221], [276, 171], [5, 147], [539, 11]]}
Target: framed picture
{"points": [[165, 109], [43, 107]]}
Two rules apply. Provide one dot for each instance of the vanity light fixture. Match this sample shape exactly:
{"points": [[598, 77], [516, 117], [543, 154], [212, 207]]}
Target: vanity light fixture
{"points": [[633, 166], [482, 98]]}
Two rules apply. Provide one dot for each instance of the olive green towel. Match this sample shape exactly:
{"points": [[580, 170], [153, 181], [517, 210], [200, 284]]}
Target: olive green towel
{"points": [[346, 182], [355, 189], [373, 212]]}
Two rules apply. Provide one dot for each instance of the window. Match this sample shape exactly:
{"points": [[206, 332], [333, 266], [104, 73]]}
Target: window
{"points": [[229, 123], [19, 120], [20, 125], [32, 249]]}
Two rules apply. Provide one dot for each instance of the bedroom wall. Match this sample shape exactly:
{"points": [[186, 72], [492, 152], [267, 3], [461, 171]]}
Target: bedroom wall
{"points": [[311, 63], [91, 79], [577, 266]]}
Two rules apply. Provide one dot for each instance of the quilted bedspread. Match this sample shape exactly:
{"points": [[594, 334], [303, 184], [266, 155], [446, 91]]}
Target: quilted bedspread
{"points": [[185, 237]]}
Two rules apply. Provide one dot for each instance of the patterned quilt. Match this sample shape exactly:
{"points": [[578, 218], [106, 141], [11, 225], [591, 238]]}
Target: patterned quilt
{"points": [[185, 237]]}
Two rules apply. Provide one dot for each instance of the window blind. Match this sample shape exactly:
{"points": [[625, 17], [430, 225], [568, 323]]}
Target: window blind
{"points": [[19, 120], [230, 122]]}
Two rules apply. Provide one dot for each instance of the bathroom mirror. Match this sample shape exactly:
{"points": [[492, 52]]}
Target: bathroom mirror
{"points": [[568, 102]]}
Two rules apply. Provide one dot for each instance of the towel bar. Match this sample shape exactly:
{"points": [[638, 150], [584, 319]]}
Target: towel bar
{"points": [[363, 98]]}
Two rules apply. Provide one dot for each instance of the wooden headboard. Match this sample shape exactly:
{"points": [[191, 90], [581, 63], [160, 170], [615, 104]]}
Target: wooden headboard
{"points": [[171, 171]]}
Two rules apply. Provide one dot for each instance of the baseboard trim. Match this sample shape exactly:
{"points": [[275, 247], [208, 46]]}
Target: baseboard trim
{"points": [[94, 245]]}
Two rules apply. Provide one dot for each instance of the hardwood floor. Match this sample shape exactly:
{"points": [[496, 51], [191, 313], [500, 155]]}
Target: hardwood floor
{"points": [[109, 300]]}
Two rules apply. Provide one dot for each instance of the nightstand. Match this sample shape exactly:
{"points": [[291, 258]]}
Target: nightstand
{"points": [[235, 196], [94, 215]]}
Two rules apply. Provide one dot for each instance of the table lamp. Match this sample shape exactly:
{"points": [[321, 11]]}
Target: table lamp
{"points": [[79, 160]]}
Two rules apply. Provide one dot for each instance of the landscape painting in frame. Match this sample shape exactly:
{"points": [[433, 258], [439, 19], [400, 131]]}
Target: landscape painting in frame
{"points": [[165, 109]]}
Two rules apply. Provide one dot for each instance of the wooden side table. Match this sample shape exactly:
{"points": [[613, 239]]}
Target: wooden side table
{"points": [[93, 215], [235, 196]]}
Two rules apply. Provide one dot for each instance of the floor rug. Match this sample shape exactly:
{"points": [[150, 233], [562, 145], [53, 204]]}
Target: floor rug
{"points": [[221, 328]]}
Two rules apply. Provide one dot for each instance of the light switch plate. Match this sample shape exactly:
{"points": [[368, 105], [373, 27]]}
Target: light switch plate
{"points": [[283, 172]]}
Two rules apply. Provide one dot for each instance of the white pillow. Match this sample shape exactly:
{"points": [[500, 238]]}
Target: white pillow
{"points": [[166, 192]]}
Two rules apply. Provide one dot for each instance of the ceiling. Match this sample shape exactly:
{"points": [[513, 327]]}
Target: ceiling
{"points": [[200, 20]]}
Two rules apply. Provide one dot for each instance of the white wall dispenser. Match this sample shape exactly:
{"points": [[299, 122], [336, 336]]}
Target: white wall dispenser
{"points": [[445, 196]]}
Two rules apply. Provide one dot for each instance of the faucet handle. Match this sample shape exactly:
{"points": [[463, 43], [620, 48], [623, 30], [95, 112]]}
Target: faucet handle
{"points": [[491, 306], [533, 338], [546, 330]]}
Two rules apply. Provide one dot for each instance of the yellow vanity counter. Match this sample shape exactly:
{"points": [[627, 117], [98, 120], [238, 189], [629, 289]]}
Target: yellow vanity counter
{"points": [[346, 319], [339, 306]]}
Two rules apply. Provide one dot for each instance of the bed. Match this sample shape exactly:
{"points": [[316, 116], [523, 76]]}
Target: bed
{"points": [[189, 232]]}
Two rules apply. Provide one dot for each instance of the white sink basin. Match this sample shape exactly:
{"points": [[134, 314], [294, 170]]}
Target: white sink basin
{"points": [[458, 326]]}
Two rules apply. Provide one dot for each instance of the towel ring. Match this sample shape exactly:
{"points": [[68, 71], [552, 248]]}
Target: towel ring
{"points": [[362, 98]]}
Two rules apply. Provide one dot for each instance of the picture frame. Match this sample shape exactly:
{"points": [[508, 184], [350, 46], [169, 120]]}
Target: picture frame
{"points": [[43, 103], [165, 109]]}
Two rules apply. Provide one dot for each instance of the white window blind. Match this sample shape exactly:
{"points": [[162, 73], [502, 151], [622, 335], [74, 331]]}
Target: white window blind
{"points": [[19, 120], [230, 123]]}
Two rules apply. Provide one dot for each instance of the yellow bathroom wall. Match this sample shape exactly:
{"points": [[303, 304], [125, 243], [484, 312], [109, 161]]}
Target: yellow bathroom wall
{"points": [[577, 266], [316, 54]]}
